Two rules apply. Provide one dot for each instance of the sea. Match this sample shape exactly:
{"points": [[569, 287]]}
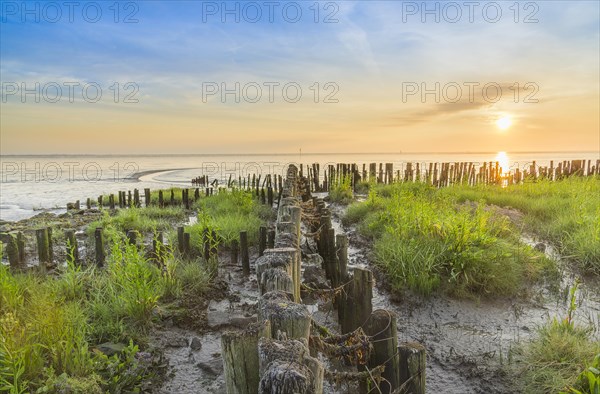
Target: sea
{"points": [[30, 184]]}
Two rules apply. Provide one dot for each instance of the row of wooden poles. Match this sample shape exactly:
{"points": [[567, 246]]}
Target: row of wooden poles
{"points": [[405, 363], [252, 181], [275, 354], [15, 242], [443, 174], [129, 199]]}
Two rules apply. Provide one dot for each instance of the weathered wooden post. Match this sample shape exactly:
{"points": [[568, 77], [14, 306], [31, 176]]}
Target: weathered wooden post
{"points": [[99, 238], [186, 200], [12, 250], [412, 367], [161, 199], [270, 196], [172, 200], [111, 201], [50, 245], [331, 261], [42, 245], [271, 239], [262, 240], [147, 196], [275, 279], [129, 199], [72, 248], [100, 205], [88, 203], [180, 231], [285, 366], [341, 241], [136, 198], [382, 329], [240, 358], [245, 254], [186, 245], [287, 317], [357, 306], [21, 247]]}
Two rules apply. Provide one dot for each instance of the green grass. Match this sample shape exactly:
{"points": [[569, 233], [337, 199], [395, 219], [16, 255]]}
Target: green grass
{"points": [[50, 325], [143, 220], [563, 358], [566, 212], [427, 239], [341, 191], [228, 213]]}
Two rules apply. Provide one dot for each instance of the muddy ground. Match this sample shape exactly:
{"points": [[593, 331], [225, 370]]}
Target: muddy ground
{"points": [[473, 345]]}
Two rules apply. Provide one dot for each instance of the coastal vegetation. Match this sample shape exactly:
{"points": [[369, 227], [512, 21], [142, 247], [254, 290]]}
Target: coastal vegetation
{"points": [[84, 328]]}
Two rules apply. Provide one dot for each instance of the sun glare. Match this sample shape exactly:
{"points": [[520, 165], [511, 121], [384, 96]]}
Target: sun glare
{"points": [[504, 123], [503, 161]]}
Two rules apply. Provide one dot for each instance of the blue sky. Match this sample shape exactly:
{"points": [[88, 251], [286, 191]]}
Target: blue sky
{"points": [[368, 53]]}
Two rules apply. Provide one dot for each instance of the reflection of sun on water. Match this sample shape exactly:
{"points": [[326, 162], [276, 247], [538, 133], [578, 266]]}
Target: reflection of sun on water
{"points": [[503, 162]]}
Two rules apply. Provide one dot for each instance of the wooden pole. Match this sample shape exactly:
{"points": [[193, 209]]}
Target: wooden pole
{"points": [[12, 250], [271, 239], [412, 367], [100, 256], [262, 240], [180, 231], [42, 245], [288, 318], [235, 247], [186, 245], [21, 247], [358, 304], [240, 358], [384, 337], [244, 251]]}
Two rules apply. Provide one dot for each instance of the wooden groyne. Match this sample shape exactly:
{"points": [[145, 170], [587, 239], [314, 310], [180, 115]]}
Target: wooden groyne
{"points": [[287, 351], [440, 174], [443, 174]]}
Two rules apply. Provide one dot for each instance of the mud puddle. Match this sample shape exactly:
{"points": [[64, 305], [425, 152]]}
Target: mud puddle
{"points": [[470, 343]]}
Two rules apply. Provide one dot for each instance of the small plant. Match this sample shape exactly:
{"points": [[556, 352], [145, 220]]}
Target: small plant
{"points": [[341, 191], [554, 361]]}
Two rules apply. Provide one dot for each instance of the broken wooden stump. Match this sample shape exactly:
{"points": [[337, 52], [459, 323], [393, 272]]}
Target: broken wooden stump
{"points": [[287, 318], [240, 358], [412, 367]]}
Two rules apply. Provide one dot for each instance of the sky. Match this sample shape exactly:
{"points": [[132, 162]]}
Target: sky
{"points": [[275, 77]]}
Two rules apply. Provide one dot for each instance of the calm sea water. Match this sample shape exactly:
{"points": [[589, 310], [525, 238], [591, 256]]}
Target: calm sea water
{"points": [[29, 184]]}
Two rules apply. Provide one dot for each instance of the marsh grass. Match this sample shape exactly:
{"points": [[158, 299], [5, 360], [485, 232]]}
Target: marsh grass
{"points": [[426, 239], [341, 191], [143, 220], [563, 358], [228, 213], [566, 212], [50, 325]]}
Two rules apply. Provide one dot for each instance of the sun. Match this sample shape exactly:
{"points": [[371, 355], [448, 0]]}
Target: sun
{"points": [[504, 123]]}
